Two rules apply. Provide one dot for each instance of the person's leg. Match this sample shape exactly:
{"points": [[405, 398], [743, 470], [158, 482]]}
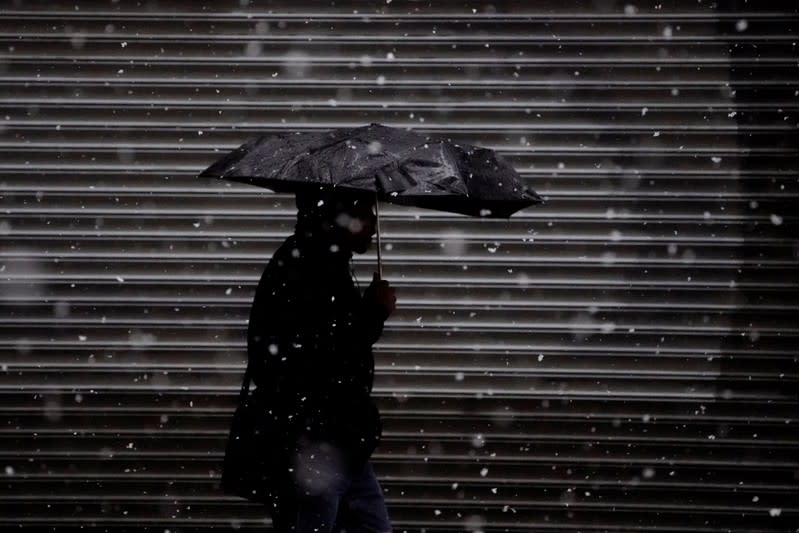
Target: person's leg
{"points": [[281, 507], [320, 481], [362, 508]]}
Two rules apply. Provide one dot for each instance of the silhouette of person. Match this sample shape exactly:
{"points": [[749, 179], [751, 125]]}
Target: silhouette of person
{"points": [[310, 340]]}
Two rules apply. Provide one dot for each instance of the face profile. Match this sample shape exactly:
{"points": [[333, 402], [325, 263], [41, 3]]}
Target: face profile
{"points": [[347, 220], [357, 224]]}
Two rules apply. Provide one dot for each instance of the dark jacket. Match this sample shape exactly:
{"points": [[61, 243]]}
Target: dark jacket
{"points": [[310, 342]]}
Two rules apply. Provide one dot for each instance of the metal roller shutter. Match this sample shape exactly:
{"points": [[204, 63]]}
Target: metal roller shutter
{"points": [[622, 358]]}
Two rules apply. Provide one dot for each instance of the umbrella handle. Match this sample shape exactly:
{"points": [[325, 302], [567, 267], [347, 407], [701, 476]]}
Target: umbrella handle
{"points": [[377, 234]]}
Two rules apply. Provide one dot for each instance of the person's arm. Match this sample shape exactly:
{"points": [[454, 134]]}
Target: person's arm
{"points": [[379, 301]]}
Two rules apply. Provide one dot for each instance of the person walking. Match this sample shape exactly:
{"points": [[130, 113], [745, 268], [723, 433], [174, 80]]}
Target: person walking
{"points": [[309, 342]]}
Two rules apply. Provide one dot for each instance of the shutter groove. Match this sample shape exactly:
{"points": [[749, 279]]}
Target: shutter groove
{"points": [[622, 358]]}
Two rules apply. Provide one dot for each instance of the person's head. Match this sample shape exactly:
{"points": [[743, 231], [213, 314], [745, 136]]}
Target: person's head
{"points": [[343, 218]]}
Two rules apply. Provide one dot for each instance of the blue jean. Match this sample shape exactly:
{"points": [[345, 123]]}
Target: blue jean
{"points": [[327, 495]]}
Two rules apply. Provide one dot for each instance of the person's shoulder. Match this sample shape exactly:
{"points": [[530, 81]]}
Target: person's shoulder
{"points": [[281, 253], [291, 261]]}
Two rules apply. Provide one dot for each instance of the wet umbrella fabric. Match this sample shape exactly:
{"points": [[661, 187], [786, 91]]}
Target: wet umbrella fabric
{"points": [[400, 166]]}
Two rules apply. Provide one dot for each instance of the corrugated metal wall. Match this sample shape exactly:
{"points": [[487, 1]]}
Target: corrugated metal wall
{"points": [[623, 358]]}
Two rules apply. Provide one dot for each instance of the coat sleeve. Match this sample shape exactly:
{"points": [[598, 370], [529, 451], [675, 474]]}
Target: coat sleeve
{"points": [[372, 318]]}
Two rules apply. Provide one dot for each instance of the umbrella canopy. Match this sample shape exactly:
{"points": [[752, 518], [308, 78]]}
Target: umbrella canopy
{"points": [[399, 165]]}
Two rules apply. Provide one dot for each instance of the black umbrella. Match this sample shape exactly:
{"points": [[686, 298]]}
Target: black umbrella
{"points": [[399, 165]]}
